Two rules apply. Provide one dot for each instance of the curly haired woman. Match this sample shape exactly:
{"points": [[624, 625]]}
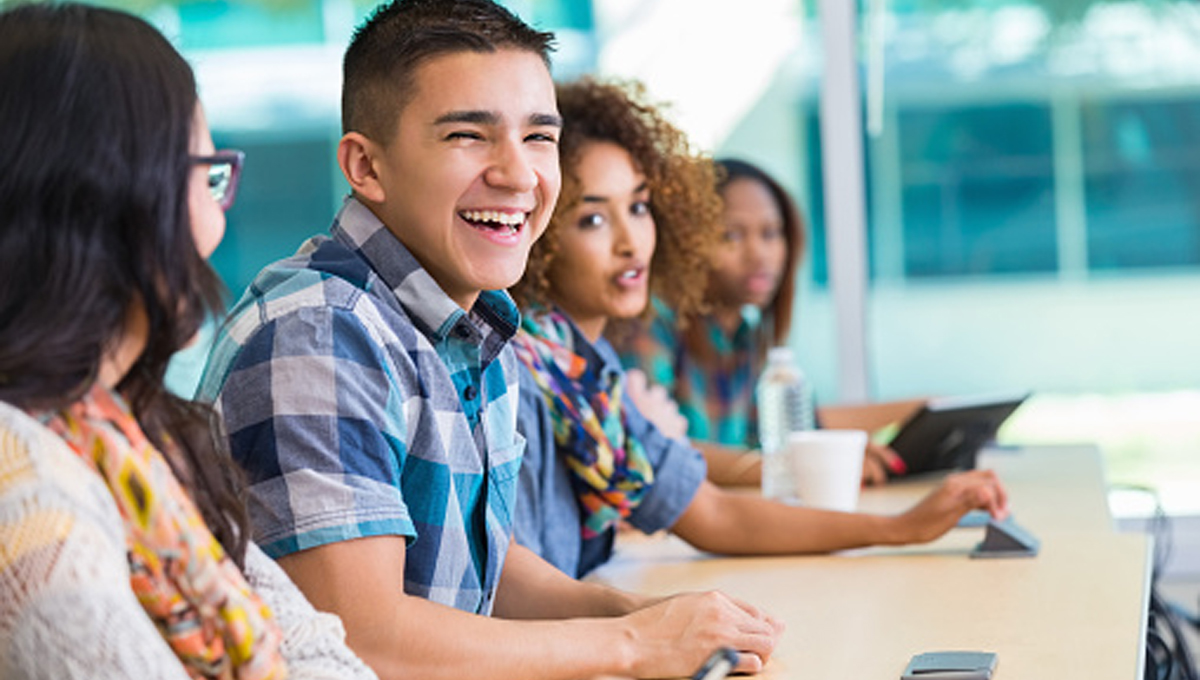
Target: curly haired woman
{"points": [[639, 213], [710, 362]]}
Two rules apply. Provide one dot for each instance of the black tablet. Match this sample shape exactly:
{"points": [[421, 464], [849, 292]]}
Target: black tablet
{"points": [[947, 433]]}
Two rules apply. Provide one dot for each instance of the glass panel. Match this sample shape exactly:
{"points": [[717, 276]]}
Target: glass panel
{"points": [[1143, 182], [1034, 222], [285, 196], [977, 186], [221, 24]]}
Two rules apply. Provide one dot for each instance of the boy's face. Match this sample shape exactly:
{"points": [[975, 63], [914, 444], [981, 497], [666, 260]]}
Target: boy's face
{"points": [[471, 175]]}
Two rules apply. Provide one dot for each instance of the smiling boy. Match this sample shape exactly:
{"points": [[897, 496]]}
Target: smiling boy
{"points": [[369, 390]]}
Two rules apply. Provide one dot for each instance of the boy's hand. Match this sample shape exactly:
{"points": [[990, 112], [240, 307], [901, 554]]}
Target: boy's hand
{"points": [[960, 493], [673, 637]]}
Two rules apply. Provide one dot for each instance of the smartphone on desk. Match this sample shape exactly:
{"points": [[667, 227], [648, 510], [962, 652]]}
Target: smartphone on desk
{"points": [[717, 665]]}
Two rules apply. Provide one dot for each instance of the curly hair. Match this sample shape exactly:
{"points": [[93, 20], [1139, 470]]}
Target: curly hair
{"points": [[683, 198]]}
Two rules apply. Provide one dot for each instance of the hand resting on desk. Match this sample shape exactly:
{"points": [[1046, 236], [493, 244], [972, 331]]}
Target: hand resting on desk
{"points": [[700, 623], [941, 510], [737, 523]]}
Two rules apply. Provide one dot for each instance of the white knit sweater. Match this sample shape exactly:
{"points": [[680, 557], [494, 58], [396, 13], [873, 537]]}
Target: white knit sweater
{"points": [[66, 607]]}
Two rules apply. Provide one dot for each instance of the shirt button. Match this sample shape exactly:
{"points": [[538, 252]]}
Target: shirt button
{"points": [[462, 332], [469, 392]]}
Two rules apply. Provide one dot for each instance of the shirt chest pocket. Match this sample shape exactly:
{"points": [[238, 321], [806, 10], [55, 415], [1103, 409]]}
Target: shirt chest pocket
{"points": [[504, 467]]}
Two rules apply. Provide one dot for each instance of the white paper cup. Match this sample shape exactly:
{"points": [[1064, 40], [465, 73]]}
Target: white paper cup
{"points": [[827, 467]]}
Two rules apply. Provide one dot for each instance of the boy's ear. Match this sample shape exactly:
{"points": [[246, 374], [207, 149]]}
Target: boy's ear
{"points": [[356, 157]]}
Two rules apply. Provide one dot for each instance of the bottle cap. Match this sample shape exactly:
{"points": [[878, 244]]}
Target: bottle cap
{"points": [[782, 354]]}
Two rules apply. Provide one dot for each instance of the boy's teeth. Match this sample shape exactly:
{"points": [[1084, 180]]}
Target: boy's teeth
{"points": [[629, 274], [495, 217]]}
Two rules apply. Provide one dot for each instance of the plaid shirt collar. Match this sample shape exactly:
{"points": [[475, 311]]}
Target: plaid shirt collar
{"points": [[745, 336], [418, 293]]}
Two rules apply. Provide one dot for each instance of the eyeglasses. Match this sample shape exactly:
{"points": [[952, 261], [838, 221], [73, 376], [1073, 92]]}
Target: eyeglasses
{"points": [[224, 171]]}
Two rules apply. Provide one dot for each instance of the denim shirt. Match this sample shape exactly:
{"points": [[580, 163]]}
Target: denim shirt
{"points": [[548, 518]]}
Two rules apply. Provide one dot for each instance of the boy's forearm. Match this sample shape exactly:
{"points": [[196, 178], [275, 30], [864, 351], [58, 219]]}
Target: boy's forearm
{"points": [[404, 636], [669, 639], [531, 588], [428, 640]]}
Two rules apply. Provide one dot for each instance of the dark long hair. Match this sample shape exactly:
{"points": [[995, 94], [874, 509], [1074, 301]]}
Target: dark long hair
{"points": [[778, 312], [95, 125]]}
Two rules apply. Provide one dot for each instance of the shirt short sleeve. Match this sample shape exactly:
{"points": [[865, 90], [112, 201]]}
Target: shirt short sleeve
{"points": [[318, 425], [679, 470]]}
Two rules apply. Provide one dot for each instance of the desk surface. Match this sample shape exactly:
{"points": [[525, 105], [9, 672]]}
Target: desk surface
{"points": [[1051, 488], [1075, 611]]}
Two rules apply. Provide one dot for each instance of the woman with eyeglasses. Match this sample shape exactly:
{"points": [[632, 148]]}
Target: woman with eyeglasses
{"points": [[123, 533]]}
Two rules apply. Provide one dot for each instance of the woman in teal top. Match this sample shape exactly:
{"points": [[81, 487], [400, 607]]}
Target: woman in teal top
{"points": [[710, 364]]}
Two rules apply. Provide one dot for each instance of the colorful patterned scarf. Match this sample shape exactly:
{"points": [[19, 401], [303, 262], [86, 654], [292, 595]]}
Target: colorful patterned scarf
{"points": [[610, 471], [189, 587]]}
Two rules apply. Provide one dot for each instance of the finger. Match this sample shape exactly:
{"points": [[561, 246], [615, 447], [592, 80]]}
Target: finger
{"points": [[681, 427], [748, 663], [873, 472], [1001, 497], [981, 484], [888, 456], [894, 462], [748, 608], [987, 494], [777, 625], [760, 646], [744, 625], [875, 452], [761, 627], [635, 381], [1001, 492], [664, 400]]}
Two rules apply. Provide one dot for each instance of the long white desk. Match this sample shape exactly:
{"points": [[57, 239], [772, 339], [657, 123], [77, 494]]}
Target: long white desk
{"points": [[1051, 488], [1077, 610]]}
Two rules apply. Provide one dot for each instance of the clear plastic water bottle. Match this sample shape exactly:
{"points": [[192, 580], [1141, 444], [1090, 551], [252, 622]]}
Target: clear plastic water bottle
{"points": [[784, 406]]}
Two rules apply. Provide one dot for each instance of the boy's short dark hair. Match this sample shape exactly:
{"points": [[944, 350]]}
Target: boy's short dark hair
{"points": [[383, 55]]}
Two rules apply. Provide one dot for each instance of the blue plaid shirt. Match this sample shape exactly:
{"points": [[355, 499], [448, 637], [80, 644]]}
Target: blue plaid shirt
{"points": [[362, 401]]}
